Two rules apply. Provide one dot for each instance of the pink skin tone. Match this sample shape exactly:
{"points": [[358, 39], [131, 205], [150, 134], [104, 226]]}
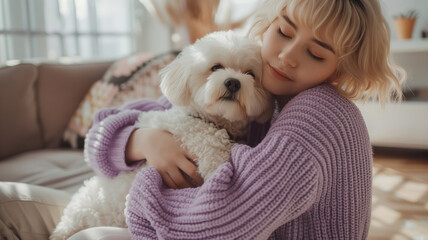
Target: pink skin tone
{"points": [[293, 60]]}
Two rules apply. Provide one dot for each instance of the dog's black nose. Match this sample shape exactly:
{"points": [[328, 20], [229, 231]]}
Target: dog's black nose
{"points": [[232, 84]]}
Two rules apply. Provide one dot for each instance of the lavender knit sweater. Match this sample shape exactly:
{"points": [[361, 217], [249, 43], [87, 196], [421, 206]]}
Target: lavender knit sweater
{"points": [[309, 178]]}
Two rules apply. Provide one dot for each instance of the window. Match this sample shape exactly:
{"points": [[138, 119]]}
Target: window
{"points": [[53, 29]]}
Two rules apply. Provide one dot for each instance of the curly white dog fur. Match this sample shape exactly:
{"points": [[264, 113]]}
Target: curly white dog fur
{"points": [[215, 88]]}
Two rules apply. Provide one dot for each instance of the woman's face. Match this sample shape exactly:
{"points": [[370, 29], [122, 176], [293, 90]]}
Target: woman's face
{"points": [[293, 60]]}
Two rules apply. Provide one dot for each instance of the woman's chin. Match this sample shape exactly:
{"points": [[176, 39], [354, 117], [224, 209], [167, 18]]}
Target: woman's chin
{"points": [[273, 88]]}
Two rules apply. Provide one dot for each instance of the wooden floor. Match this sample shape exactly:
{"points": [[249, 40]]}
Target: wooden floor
{"points": [[400, 195]]}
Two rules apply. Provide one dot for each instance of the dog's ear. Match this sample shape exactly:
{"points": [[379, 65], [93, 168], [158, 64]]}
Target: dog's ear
{"points": [[174, 78]]}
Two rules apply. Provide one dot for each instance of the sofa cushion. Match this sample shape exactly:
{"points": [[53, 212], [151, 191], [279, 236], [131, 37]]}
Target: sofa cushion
{"points": [[130, 78], [61, 88], [19, 125], [99, 96], [59, 169]]}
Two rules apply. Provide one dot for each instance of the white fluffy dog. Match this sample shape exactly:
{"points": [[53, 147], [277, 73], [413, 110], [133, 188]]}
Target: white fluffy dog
{"points": [[215, 88]]}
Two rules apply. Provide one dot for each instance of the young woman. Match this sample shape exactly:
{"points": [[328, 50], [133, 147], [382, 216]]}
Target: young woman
{"points": [[307, 174]]}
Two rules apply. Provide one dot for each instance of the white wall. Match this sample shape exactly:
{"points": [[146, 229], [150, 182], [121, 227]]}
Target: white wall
{"points": [[416, 64], [396, 7], [403, 125]]}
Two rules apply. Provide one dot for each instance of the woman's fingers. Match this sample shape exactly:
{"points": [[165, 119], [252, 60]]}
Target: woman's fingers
{"points": [[191, 157], [178, 178], [191, 172], [168, 181]]}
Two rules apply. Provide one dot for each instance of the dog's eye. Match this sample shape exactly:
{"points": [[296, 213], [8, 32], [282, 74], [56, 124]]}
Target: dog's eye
{"points": [[216, 67], [251, 74]]}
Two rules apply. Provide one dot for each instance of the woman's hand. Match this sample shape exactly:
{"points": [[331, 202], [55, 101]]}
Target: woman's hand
{"points": [[163, 152]]}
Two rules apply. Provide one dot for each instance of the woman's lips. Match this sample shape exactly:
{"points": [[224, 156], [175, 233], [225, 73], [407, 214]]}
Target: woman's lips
{"points": [[279, 75]]}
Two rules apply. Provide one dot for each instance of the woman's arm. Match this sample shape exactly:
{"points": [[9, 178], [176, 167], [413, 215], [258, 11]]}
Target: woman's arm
{"points": [[250, 196], [113, 145], [106, 141]]}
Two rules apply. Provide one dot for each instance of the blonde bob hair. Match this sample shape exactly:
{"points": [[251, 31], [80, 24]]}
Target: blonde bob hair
{"points": [[359, 35]]}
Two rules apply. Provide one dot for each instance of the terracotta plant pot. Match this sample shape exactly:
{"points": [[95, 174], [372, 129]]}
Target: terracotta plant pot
{"points": [[404, 27]]}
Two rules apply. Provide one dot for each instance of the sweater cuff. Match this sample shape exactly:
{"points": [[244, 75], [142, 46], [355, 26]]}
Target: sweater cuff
{"points": [[164, 102], [106, 141], [118, 148], [147, 104]]}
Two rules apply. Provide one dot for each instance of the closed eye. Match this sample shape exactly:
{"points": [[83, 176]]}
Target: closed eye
{"points": [[251, 73], [315, 57], [216, 67], [283, 34]]}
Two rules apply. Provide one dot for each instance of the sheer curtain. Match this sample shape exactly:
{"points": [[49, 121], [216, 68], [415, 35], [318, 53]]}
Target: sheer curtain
{"points": [[92, 29], [52, 29]]}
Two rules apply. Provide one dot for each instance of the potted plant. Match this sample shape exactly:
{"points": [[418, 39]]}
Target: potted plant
{"points": [[404, 24]]}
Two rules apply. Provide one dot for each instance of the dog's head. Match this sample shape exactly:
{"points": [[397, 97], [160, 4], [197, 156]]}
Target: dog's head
{"points": [[220, 74]]}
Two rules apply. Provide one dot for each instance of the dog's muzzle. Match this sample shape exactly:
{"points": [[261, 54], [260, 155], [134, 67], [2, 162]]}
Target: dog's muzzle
{"points": [[232, 86]]}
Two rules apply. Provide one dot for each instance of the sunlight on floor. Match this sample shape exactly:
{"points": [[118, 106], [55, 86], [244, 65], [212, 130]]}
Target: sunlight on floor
{"points": [[400, 198]]}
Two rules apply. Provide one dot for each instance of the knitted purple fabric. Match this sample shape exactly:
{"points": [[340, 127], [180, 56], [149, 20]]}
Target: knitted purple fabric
{"points": [[106, 140], [309, 178]]}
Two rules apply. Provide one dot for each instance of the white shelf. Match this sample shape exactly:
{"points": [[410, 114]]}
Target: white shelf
{"points": [[409, 46]]}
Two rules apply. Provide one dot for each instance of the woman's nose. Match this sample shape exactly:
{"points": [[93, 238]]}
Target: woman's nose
{"points": [[288, 57]]}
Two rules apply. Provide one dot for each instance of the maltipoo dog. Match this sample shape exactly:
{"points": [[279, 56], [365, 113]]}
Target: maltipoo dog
{"points": [[215, 88]]}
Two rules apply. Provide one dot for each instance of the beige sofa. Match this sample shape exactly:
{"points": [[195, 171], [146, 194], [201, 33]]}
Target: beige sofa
{"points": [[36, 103]]}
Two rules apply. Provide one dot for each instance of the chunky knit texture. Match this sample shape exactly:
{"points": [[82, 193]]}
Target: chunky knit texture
{"points": [[309, 178]]}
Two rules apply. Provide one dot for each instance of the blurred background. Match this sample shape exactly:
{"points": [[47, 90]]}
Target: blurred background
{"points": [[76, 31], [107, 29]]}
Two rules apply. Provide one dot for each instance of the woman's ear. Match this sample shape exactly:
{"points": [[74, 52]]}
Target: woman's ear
{"points": [[174, 78]]}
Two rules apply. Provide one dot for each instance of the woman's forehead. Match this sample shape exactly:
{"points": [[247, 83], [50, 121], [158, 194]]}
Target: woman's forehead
{"points": [[319, 28], [325, 21]]}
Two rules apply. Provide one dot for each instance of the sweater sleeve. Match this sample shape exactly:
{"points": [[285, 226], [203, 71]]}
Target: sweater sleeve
{"points": [[106, 141], [260, 189]]}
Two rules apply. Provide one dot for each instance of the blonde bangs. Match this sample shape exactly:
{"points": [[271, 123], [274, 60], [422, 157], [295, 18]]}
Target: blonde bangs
{"points": [[334, 24]]}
